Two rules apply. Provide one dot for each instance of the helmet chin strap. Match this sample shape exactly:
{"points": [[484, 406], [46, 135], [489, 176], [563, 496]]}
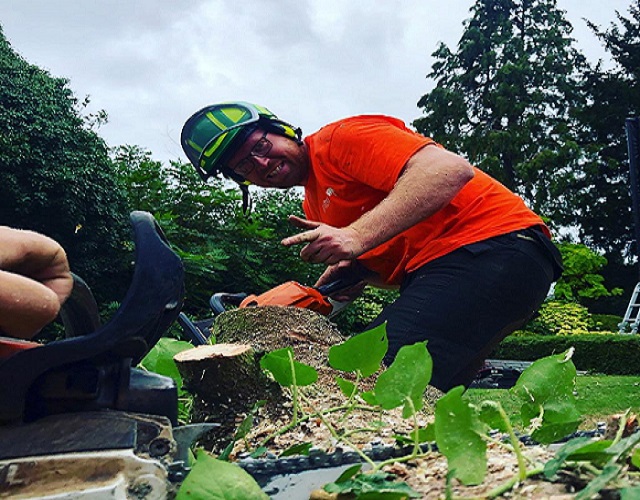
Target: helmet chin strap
{"points": [[247, 203]]}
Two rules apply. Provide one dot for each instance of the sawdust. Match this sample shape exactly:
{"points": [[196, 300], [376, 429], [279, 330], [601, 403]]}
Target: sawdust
{"points": [[311, 336]]}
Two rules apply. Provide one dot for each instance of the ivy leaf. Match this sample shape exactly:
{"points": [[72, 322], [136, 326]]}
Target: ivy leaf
{"points": [[420, 435], [609, 472], [458, 436], [297, 449], [363, 352], [347, 387], [490, 415], [279, 362], [369, 397], [572, 450], [377, 485], [635, 458], [218, 480], [406, 378], [632, 493], [349, 473], [546, 389], [160, 358]]}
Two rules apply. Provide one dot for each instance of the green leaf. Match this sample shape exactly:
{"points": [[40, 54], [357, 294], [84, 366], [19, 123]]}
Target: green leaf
{"points": [[635, 458], [406, 378], [279, 363], [458, 436], [420, 435], [377, 485], [426, 434], [571, 448], [160, 358], [623, 447], [349, 473], [598, 453], [363, 352], [243, 429], [490, 415], [261, 451], [347, 387], [609, 472], [217, 480], [632, 493], [549, 405], [297, 449], [369, 397], [561, 418]]}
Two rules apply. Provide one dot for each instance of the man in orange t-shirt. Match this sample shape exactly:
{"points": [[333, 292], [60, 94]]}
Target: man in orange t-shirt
{"points": [[393, 208]]}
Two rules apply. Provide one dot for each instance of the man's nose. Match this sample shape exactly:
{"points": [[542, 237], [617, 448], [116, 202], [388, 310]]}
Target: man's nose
{"points": [[262, 162]]}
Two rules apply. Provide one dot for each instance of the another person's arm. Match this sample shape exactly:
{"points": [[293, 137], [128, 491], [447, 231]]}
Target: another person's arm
{"points": [[35, 280], [429, 181]]}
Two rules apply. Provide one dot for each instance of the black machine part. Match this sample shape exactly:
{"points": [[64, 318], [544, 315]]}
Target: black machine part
{"points": [[92, 369]]}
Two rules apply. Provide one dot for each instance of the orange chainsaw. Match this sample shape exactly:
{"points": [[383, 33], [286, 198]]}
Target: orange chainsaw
{"points": [[290, 293]]}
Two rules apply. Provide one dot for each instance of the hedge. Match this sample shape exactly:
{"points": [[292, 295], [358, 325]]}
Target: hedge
{"points": [[595, 353]]}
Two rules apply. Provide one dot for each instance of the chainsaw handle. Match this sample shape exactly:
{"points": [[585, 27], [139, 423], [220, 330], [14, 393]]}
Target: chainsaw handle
{"points": [[338, 285], [218, 301]]}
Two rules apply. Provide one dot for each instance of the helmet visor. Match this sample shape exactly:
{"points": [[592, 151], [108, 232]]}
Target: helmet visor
{"points": [[208, 135]]}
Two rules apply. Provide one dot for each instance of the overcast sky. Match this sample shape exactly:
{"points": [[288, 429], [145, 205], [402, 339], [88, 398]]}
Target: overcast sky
{"points": [[151, 63]]}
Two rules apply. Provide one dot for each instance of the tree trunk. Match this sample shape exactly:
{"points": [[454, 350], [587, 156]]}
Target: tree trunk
{"points": [[226, 381]]}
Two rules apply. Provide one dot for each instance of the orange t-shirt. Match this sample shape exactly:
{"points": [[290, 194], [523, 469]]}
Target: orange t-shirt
{"points": [[355, 164]]}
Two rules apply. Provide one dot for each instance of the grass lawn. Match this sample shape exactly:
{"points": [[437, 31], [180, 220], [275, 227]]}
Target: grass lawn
{"points": [[598, 396]]}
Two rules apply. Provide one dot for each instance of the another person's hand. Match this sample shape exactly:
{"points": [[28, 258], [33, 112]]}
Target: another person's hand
{"points": [[35, 280], [325, 244]]}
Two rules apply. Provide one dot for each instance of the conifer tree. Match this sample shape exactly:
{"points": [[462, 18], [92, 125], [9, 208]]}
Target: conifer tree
{"points": [[507, 100]]}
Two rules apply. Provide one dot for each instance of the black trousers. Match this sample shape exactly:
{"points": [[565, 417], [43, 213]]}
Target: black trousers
{"points": [[464, 303]]}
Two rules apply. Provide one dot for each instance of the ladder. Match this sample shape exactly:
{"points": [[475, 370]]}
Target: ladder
{"points": [[632, 316]]}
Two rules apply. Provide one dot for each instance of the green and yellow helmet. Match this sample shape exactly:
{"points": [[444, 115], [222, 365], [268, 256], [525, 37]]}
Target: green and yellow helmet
{"points": [[212, 135]]}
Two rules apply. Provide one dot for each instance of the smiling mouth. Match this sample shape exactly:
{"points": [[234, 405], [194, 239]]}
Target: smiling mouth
{"points": [[275, 171]]}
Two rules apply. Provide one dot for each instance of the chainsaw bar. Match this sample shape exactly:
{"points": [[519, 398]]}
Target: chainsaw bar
{"points": [[265, 469]]}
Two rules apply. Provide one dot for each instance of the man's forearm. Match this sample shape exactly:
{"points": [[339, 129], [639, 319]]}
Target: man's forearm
{"points": [[429, 182]]}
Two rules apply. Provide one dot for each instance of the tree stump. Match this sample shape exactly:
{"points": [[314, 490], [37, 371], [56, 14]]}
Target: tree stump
{"points": [[226, 378], [226, 381], [268, 328]]}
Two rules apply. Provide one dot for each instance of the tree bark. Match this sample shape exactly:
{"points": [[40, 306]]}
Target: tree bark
{"points": [[226, 381], [226, 378]]}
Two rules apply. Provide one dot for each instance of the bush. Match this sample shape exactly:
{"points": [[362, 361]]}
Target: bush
{"points": [[605, 322], [364, 310], [610, 354], [560, 318]]}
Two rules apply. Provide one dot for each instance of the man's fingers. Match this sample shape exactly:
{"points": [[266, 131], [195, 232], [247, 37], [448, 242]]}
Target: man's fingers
{"points": [[296, 239], [302, 223]]}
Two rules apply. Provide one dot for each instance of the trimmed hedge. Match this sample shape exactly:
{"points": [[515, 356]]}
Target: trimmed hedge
{"points": [[596, 353]]}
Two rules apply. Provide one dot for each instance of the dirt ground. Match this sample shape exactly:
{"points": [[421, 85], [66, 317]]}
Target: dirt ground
{"points": [[311, 336]]}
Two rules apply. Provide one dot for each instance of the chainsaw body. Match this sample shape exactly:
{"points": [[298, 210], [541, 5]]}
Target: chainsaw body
{"points": [[292, 294], [77, 419]]}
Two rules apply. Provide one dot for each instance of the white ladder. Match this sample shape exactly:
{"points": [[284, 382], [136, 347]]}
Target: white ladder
{"points": [[632, 316]]}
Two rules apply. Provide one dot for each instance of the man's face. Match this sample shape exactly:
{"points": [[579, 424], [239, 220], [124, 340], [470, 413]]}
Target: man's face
{"points": [[271, 160]]}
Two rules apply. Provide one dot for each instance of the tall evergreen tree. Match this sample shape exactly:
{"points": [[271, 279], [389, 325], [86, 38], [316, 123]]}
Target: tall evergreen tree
{"points": [[614, 94], [56, 176], [506, 99]]}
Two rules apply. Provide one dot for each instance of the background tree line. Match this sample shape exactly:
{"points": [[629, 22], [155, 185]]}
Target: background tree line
{"points": [[516, 97]]}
